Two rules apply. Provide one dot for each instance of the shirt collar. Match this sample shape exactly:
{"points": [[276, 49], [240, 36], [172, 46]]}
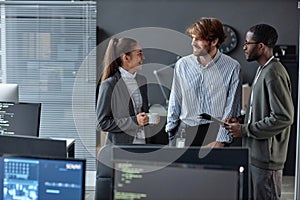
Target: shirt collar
{"points": [[268, 61], [126, 74], [212, 62]]}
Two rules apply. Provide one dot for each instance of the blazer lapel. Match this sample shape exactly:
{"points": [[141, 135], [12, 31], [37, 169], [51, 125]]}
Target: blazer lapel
{"points": [[124, 90]]}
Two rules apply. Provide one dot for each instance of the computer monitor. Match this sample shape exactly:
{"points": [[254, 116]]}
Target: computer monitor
{"points": [[9, 92], [155, 180], [41, 178], [231, 160], [20, 118], [32, 146]]}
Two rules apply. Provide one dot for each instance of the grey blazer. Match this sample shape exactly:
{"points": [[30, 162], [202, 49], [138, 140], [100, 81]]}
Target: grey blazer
{"points": [[115, 111]]}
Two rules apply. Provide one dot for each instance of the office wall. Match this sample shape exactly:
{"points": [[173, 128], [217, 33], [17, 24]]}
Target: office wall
{"points": [[115, 16]]}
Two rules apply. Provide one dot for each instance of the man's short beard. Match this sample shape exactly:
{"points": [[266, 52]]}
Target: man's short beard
{"points": [[201, 53]]}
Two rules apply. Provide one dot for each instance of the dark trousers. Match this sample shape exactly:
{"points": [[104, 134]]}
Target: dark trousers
{"points": [[194, 135], [265, 184]]}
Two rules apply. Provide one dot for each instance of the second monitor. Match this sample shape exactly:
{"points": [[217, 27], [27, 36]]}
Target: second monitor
{"points": [[20, 118]]}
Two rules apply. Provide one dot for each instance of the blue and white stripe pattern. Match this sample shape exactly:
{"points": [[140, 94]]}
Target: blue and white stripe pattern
{"points": [[215, 89]]}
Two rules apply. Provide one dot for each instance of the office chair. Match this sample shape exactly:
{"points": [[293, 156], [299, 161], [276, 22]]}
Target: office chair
{"points": [[104, 174]]}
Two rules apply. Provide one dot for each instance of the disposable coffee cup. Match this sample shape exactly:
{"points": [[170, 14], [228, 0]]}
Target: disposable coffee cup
{"points": [[153, 118]]}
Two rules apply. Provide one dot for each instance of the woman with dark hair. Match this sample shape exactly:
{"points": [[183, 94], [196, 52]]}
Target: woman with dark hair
{"points": [[122, 101]]}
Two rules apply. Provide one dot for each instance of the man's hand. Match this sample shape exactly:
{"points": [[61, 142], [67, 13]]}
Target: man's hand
{"points": [[234, 126], [239, 119]]}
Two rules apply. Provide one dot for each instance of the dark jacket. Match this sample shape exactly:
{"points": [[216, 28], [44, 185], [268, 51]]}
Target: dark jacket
{"points": [[267, 135], [115, 111]]}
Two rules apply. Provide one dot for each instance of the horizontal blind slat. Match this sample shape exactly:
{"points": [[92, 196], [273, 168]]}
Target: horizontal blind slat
{"points": [[46, 46]]}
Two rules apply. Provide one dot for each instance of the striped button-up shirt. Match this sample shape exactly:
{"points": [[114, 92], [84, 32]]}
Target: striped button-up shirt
{"points": [[214, 89]]}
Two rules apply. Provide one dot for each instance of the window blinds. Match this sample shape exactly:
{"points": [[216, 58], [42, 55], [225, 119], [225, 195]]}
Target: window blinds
{"points": [[47, 47]]}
